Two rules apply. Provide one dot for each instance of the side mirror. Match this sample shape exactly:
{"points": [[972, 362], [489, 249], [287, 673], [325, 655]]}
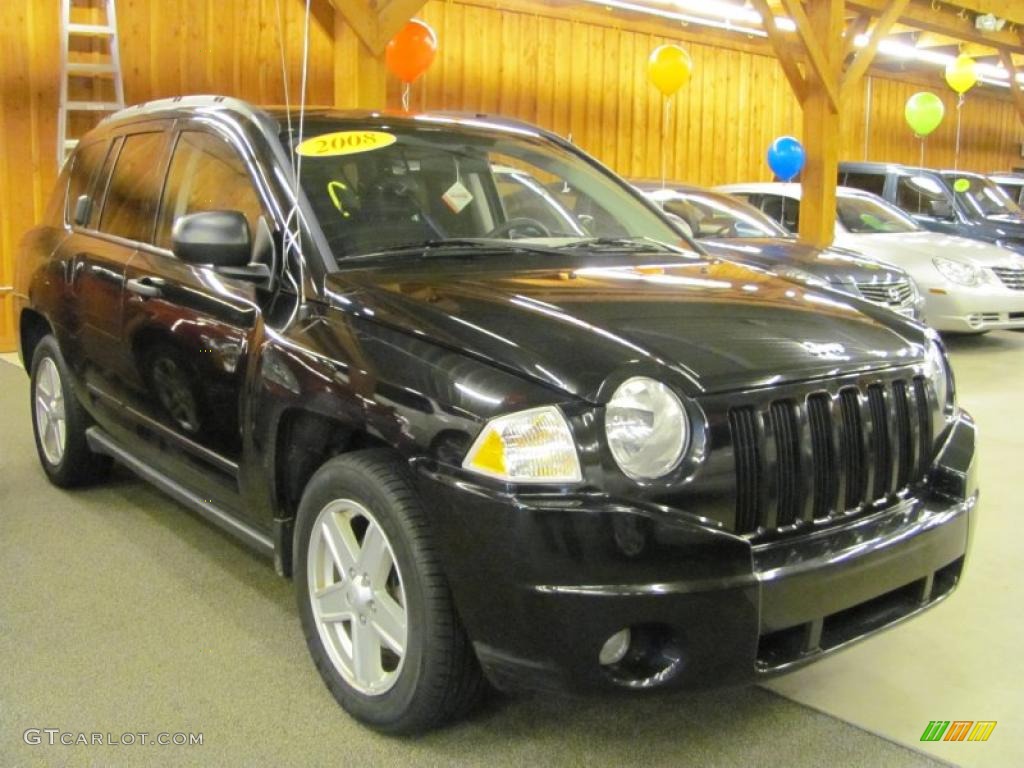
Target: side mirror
{"points": [[681, 224], [212, 238], [83, 207], [941, 209]]}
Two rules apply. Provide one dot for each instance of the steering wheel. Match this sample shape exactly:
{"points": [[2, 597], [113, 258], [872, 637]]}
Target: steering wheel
{"points": [[519, 222]]}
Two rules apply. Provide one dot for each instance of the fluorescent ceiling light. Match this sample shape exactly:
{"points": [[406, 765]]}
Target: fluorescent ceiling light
{"points": [[739, 18]]}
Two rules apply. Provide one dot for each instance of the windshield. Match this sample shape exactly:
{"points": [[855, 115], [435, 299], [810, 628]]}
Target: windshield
{"points": [[718, 216], [387, 187], [981, 196], [865, 215]]}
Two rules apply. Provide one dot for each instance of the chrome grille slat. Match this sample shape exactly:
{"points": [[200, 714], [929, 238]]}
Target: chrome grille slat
{"points": [[819, 415], [853, 448], [881, 446], [924, 421], [1011, 278], [743, 423], [782, 414]]}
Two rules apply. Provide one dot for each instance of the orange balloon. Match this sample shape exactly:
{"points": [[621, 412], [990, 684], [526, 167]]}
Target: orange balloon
{"points": [[669, 68], [411, 51]]}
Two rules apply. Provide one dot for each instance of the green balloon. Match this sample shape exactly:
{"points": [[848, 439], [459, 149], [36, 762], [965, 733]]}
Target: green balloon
{"points": [[924, 112]]}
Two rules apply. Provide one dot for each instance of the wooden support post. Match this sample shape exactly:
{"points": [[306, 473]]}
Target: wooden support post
{"points": [[1015, 87], [362, 29], [821, 124]]}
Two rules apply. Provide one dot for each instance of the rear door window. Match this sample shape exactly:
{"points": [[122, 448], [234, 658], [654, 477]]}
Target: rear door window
{"points": [[869, 182], [84, 172], [784, 210], [130, 203], [206, 174]]}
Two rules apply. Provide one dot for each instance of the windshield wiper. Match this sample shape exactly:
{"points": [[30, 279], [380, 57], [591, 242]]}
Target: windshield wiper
{"points": [[444, 247], [625, 244]]}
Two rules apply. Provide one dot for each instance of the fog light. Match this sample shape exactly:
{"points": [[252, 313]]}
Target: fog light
{"points": [[614, 648]]}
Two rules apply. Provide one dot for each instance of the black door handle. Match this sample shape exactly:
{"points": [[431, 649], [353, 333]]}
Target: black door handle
{"points": [[147, 287]]}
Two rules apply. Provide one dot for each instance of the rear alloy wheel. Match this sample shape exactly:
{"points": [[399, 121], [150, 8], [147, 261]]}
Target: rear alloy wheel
{"points": [[374, 603], [59, 422]]}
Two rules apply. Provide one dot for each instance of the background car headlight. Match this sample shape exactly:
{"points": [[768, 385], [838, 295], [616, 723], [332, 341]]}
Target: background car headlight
{"points": [[647, 428], [939, 372], [958, 272], [534, 446]]}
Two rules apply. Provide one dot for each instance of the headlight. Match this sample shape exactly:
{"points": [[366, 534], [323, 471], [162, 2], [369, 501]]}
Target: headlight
{"points": [[534, 446], [647, 428], [939, 371], [958, 271], [801, 276]]}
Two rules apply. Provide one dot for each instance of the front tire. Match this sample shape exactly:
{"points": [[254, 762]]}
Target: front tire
{"points": [[374, 604], [59, 422]]}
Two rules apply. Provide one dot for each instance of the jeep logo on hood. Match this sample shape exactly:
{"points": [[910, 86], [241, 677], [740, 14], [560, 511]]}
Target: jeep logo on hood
{"points": [[828, 351]]}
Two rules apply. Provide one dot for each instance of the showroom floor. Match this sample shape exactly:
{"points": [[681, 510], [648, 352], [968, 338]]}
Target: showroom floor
{"points": [[121, 612]]}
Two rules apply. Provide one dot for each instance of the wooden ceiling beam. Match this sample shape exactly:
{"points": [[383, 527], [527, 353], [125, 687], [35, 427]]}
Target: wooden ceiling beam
{"points": [[376, 21], [866, 55], [785, 51], [815, 51], [943, 19], [1011, 10], [854, 29]]}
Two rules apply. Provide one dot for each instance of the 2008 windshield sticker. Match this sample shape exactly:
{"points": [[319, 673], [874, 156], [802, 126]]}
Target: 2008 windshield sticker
{"points": [[344, 143]]}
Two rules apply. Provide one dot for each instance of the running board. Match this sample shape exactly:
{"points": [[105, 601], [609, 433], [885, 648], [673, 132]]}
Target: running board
{"points": [[101, 442]]}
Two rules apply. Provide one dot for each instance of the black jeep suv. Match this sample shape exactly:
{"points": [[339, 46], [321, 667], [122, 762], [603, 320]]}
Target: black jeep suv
{"points": [[567, 454]]}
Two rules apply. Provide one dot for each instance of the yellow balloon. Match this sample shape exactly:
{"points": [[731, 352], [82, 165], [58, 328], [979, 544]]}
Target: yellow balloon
{"points": [[669, 68], [962, 73]]}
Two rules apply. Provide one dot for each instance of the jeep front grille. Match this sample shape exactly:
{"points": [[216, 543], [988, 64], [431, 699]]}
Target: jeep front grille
{"points": [[828, 454]]}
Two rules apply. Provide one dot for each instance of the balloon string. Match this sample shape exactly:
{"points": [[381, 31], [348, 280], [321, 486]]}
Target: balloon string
{"points": [[956, 151], [664, 140], [405, 96]]}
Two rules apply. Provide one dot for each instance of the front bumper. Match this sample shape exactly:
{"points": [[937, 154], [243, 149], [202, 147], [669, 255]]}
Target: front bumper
{"points": [[542, 582], [986, 307]]}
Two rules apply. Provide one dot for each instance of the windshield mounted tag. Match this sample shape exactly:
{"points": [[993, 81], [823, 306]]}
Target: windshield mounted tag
{"points": [[457, 197]]}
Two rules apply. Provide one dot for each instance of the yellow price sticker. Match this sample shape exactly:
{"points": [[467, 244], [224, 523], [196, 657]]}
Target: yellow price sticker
{"points": [[344, 143]]}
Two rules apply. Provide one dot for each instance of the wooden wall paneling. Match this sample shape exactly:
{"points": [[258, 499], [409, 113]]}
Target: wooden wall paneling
{"points": [[572, 69]]}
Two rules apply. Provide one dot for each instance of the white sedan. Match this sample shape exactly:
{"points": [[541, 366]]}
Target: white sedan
{"points": [[969, 286]]}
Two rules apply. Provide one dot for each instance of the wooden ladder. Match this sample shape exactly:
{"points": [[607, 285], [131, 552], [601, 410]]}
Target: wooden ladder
{"points": [[108, 68]]}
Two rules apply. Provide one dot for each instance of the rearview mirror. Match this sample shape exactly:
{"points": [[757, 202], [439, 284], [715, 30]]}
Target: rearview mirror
{"points": [[212, 238], [83, 207]]}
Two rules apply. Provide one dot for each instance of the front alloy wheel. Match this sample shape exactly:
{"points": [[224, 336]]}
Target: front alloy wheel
{"points": [[357, 597], [374, 603]]}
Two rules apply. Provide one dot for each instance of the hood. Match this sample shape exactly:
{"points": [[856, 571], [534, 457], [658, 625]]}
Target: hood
{"points": [[909, 248], [573, 321], [833, 265]]}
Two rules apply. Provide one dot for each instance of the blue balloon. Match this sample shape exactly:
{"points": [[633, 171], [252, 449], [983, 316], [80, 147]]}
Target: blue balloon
{"points": [[786, 157]]}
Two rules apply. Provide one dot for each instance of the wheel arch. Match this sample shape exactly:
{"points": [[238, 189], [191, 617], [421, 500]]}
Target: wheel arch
{"points": [[303, 441], [33, 327]]}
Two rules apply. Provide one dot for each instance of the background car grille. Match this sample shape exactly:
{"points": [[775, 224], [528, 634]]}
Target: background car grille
{"points": [[828, 454], [896, 293], [1012, 278]]}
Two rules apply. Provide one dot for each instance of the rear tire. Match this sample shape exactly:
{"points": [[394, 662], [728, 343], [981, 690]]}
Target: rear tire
{"points": [[422, 671], [59, 422]]}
